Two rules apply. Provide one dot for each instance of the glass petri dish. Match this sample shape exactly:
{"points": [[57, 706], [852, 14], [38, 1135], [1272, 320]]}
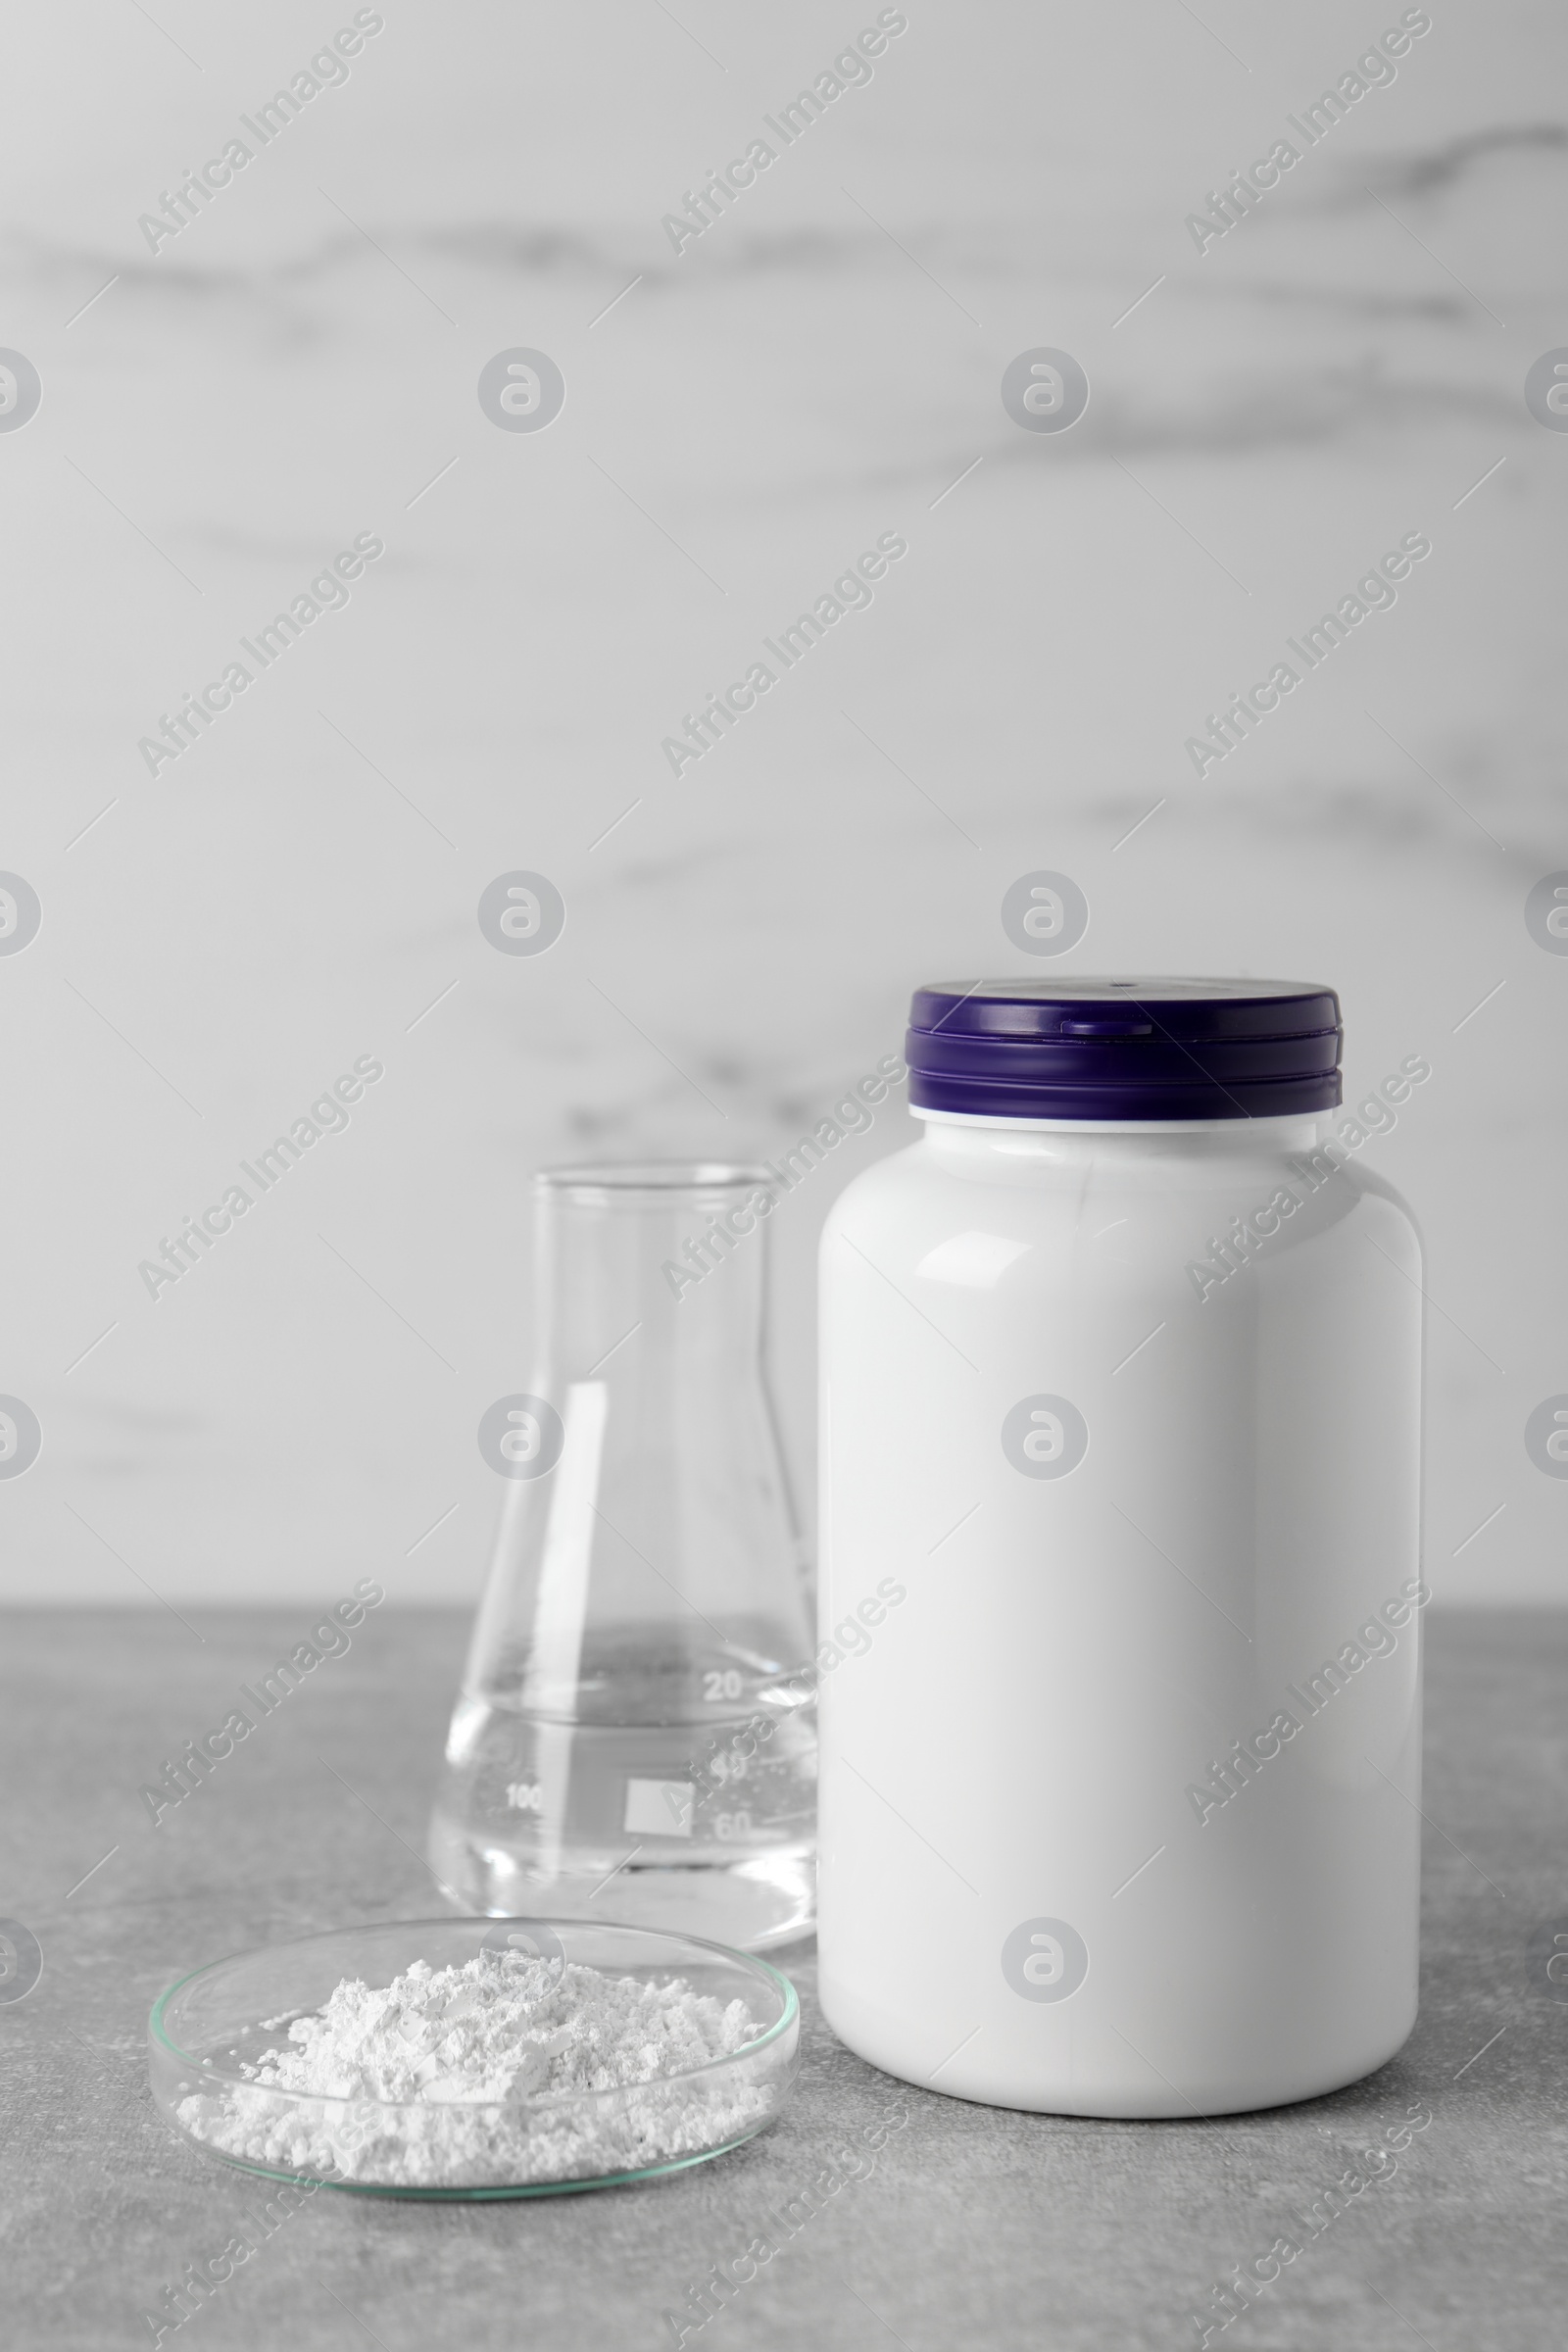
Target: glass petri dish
{"points": [[206, 2028]]}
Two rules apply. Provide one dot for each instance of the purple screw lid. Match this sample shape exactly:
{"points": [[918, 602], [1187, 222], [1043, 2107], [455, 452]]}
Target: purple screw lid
{"points": [[1143, 1048]]}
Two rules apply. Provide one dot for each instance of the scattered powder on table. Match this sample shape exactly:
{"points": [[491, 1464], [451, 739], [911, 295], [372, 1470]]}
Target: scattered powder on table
{"points": [[491, 2061]]}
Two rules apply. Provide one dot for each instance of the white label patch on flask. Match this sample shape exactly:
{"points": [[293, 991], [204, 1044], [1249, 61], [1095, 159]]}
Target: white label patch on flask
{"points": [[659, 1808]]}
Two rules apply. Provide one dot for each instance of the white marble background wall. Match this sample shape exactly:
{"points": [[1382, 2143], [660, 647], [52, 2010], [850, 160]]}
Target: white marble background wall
{"points": [[299, 365]]}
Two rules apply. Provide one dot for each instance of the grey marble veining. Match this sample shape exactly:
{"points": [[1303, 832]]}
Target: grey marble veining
{"points": [[299, 365]]}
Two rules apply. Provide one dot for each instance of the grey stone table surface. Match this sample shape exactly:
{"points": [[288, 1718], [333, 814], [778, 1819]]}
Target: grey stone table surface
{"points": [[973, 2226]]}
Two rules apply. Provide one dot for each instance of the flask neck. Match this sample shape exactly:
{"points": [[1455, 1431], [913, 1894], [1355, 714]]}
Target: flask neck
{"points": [[654, 1274]]}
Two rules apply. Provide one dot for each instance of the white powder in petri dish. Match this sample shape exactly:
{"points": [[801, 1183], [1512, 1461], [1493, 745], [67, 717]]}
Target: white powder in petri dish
{"points": [[504, 2071]]}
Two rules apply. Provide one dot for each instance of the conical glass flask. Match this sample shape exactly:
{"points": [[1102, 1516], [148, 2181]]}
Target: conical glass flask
{"points": [[636, 1732]]}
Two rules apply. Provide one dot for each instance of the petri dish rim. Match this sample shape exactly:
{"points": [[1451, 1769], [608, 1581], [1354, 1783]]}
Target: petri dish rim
{"points": [[472, 2195], [564, 2100], [653, 1947]]}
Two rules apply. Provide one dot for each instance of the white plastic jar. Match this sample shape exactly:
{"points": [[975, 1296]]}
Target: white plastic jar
{"points": [[1120, 1572]]}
